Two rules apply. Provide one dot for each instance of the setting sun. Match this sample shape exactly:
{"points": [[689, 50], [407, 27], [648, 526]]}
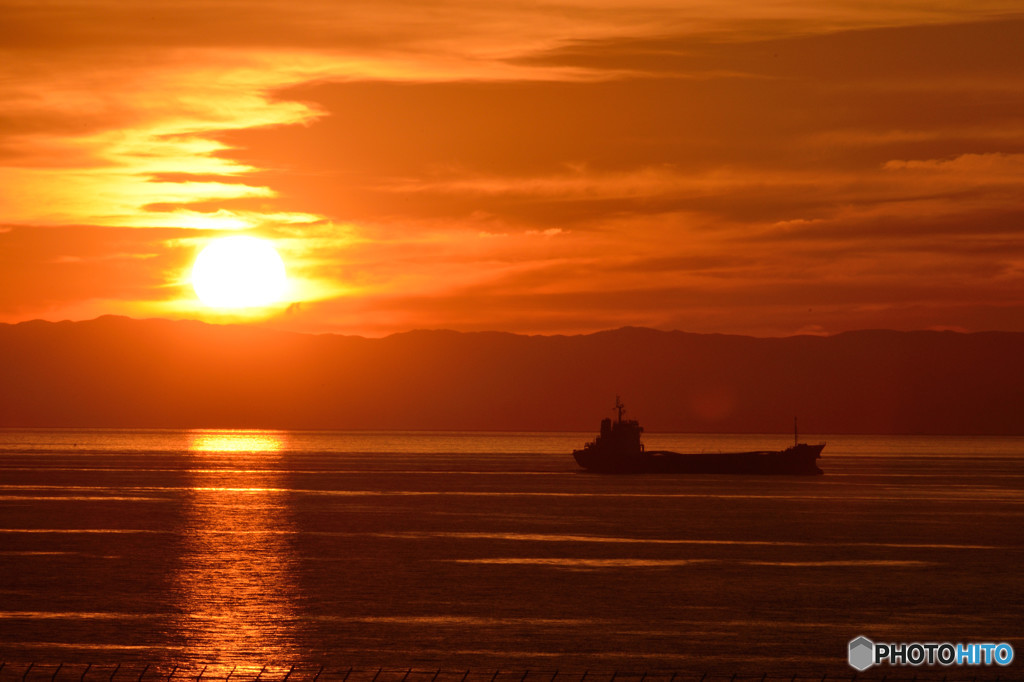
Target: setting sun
{"points": [[238, 272]]}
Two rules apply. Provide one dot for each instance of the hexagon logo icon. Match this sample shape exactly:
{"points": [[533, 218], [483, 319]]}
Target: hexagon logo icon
{"points": [[862, 653]]}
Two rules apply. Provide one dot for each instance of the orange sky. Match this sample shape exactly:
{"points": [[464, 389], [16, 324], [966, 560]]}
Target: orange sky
{"points": [[555, 167]]}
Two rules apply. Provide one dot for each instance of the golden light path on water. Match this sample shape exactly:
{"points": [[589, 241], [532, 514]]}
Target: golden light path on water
{"points": [[252, 442], [236, 577]]}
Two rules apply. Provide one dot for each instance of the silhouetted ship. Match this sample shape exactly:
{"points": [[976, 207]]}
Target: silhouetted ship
{"points": [[618, 450]]}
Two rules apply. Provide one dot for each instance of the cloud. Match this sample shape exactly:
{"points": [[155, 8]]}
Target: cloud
{"points": [[525, 166], [974, 168], [48, 269]]}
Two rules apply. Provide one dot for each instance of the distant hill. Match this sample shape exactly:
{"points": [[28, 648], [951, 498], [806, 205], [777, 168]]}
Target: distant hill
{"points": [[156, 373]]}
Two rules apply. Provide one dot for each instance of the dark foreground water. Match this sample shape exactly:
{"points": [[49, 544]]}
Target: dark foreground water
{"points": [[492, 550]]}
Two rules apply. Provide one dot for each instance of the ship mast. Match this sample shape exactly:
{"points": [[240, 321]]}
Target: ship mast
{"points": [[620, 407]]}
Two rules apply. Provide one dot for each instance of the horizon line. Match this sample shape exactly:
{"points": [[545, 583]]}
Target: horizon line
{"points": [[270, 328]]}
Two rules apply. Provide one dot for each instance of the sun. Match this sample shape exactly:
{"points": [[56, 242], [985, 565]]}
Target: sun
{"points": [[238, 272]]}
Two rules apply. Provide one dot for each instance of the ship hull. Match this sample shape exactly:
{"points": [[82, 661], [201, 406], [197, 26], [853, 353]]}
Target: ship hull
{"points": [[797, 460]]}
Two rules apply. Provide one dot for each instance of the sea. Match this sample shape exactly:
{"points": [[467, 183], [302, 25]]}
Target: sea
{"points": [[218, 550]]}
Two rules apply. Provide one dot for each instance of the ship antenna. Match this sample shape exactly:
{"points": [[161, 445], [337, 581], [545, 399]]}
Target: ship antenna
{"points": [[796, 438], [620, 407]]}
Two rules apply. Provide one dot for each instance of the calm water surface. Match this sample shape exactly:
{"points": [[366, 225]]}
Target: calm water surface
{"points": [[482, 549]]}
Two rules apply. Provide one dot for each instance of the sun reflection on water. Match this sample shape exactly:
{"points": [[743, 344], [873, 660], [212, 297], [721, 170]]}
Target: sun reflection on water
{"points": [[236, 441], [237, 575]]}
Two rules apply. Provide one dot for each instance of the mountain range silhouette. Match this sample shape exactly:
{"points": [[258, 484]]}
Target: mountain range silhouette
{"points": [[120, 372]]}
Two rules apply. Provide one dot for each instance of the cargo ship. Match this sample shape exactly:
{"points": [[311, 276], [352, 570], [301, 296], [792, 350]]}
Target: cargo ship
{"points": [[618, 450]]}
